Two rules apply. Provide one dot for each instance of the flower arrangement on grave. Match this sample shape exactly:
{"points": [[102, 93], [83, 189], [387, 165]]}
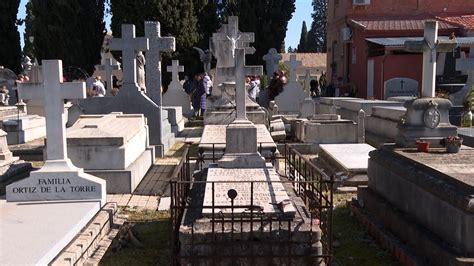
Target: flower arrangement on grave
{"points": [[402, 120], [452, 143]]}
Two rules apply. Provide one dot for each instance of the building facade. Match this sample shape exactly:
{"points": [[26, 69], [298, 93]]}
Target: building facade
{"points": [[365, 40]]}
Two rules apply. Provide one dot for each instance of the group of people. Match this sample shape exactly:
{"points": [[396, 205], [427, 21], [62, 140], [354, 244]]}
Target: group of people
{"points": [[198, 90], [98, 89]]}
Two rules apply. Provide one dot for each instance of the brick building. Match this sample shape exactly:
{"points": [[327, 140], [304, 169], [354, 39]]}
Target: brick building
{"points": [[365, 39]]}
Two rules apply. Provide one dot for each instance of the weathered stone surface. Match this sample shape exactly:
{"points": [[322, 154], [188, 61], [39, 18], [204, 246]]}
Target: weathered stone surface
{"points": [[351, 157], [216, 134], [427, 186]]}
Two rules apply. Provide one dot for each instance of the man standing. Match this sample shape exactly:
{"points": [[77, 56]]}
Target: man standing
{"points": [[98, 87]]}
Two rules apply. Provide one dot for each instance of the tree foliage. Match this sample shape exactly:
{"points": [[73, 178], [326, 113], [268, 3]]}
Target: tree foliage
{"points": [[71, 30], [303, 45], [177, 18], [268, 19], [317, 33], [10, 51]]}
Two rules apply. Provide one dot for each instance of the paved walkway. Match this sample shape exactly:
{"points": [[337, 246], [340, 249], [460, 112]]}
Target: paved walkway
{"points": [[154, 185]]}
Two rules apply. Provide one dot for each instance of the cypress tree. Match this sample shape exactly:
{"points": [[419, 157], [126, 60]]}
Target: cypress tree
{"points": [[302, 46], [10, 51], [72, 31], [317, 33]]}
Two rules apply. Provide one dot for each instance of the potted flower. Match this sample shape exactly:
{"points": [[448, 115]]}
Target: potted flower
{"points": [[423, 145], [452, 144]]}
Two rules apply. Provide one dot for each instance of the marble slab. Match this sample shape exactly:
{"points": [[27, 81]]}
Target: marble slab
{"points": [[34, 234], [216, 134], [266, 195], [390, 112], [352, 157]]}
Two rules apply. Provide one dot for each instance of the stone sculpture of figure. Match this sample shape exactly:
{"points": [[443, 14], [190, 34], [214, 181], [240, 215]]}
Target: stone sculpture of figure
{"points": [[4, 97], [233, 41], [141, 71], [26, 63], [205, 57]]}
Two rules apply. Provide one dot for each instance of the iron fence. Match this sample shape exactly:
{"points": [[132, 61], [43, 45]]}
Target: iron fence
{"points": [[204, 234]]}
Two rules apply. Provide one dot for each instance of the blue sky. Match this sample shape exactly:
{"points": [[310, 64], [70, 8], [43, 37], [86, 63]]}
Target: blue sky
{"points": [[303, 12]]}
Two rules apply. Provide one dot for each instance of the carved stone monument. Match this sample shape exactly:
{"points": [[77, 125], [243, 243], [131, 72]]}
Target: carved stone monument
{"points": [[58, 179], [175, 95], [272, 58], [293, 94]]}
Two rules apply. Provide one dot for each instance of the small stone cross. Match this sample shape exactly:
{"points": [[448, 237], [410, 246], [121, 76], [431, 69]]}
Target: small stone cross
{"points": [[241, 71], [53, 92], [129, 45], [272, 58], [108, 67], [307, 80], [175, 68], [293, 64], [158, 45]]}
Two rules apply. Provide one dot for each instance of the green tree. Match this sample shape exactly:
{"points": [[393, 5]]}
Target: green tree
{"points": [[317, 33], [303, 45], [10, 51], [268, 19], [177, 18], [72, 31]]}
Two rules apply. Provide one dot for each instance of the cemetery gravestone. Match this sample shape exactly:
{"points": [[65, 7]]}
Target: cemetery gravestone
{"points": [[308, 106], [175, 95], [58, 179], [465, 65], [272, 58], [130, 99], [292, 96], [108, 68], [400, 87]]}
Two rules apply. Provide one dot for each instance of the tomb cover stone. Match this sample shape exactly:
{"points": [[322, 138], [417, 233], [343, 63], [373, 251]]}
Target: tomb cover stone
{"points": [[268, 192], [111, 141], [58, 179], [216, 134], [352, 157], [400, 87]]}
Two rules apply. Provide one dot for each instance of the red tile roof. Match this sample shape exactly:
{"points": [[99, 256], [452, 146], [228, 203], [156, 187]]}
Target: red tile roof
{"points": [[466, 21], [397, 24]]}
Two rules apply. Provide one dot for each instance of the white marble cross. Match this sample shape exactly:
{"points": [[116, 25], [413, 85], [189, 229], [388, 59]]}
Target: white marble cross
{"points": [[53, 92], [467, 65], [158, 45], [293, 64], [129, 45], [307, 80], [108, 68], [227, 39], [272, 58], [175, 69], [430, 45], [241, 71]]}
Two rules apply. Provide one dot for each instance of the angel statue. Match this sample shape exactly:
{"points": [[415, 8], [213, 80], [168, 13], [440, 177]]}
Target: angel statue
{"points": [[205, 57]]}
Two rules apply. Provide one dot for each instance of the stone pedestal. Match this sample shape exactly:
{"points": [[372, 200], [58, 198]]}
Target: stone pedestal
{"points": [[241, 146], [6, 156], [24, 128], [307, 108], [426, 118]]}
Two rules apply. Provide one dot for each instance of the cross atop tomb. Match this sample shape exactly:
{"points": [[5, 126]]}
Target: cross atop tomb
{"points": [[229, 38], [307, 80], [272, 58], [158, 45], [175, 68], [241, 71], [108, 68], [53, 92], [129, 45], [293, 64], [429, 46], [467, 65]]}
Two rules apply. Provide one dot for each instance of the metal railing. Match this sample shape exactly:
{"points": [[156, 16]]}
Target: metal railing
{"points": [[245, 230]]}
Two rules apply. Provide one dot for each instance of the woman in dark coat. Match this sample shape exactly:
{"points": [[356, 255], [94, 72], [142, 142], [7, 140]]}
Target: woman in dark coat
{"points": [[199, 101]]}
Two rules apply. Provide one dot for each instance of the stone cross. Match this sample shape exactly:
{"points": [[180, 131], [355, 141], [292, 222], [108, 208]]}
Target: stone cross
{"points": [[53, 92], [467, 65], [230, 36], [108, 67], [307, 80], [429, 46], [241, 71], [293, 64], [129, 45], [272, 58], [175, 68], [158, 45]]}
